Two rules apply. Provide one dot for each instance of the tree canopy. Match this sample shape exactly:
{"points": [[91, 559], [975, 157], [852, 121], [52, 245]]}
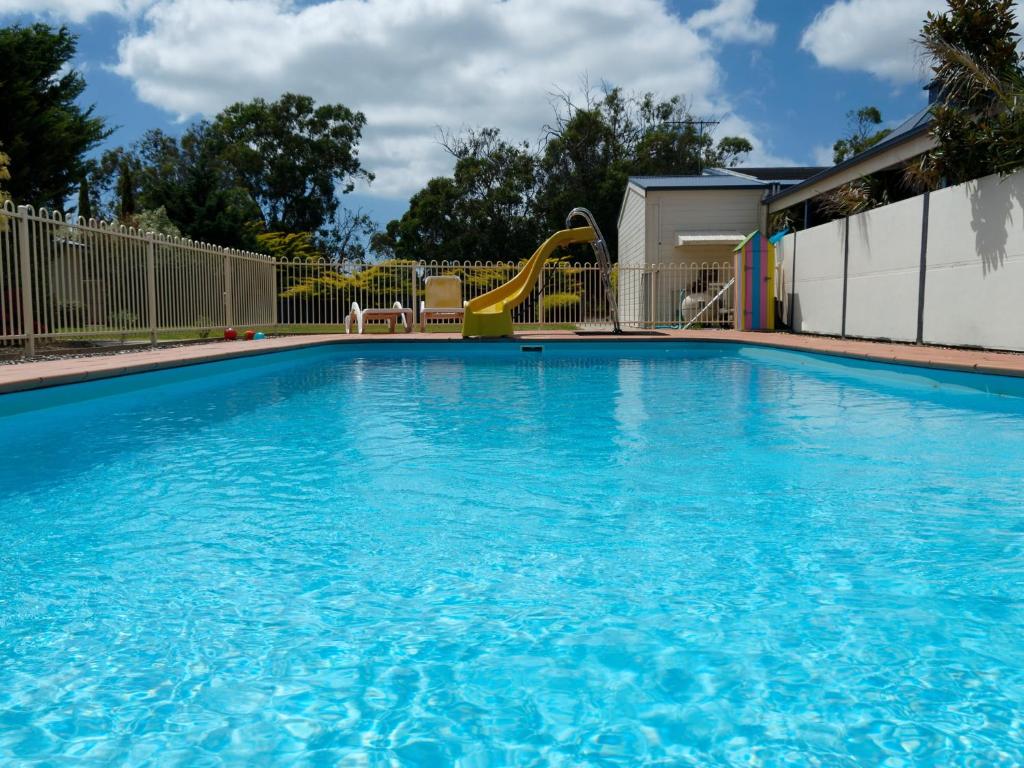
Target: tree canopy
{"points": [[256, 167], [482, 212], [502, 198], [863, 133], [43, 130], [292, 157], [976, 65], [593, 148]]}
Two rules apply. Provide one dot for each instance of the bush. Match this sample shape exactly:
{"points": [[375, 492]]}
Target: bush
{"points": [[560, 301]]}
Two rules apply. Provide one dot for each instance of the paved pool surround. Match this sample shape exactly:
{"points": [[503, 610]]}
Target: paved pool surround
{"points": [[49, 373]]}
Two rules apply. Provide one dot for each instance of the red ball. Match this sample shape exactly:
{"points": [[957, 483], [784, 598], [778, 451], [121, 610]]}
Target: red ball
{"points": [[249, 335], [230, 334]]}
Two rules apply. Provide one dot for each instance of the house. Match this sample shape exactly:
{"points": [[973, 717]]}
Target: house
{"points": [[677, 235], [908, 140]]}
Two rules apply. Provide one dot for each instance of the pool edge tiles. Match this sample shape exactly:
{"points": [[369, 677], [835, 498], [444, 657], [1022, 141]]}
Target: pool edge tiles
{"points": [[30, 375], [224, 369]]}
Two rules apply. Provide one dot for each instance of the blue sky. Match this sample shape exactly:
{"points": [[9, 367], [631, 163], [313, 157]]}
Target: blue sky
{"points": [[783, 72]]}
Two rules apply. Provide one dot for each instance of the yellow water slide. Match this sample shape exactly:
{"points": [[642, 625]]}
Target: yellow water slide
{"points": [[490, 315]]}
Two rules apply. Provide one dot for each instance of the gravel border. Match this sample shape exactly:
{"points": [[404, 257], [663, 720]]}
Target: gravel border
{"points": [[79, 352]]}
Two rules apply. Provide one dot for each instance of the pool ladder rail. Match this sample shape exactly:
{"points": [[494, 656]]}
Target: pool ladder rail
{"points": [[711, 303], [604, 261]]}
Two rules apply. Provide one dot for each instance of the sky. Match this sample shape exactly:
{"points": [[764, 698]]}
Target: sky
{"points": [[783, 73]]}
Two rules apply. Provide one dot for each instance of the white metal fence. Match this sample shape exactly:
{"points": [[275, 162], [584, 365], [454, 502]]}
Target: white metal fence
{"points": [[321, 293], [64, 278], [660, 295], [567, 295]]}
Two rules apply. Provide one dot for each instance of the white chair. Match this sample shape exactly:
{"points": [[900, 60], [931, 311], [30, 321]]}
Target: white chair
{"points": [[443, 299], [361, 316]]}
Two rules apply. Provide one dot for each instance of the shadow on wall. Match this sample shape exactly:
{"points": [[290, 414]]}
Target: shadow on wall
{"points": [[797, 323], [992, 204]]}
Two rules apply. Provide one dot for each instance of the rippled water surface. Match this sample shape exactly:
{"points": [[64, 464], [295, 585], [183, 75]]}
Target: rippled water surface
{"points": [[433, 556]]}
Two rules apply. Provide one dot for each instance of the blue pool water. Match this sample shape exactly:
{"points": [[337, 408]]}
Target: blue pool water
{"points": [[472, 555]]}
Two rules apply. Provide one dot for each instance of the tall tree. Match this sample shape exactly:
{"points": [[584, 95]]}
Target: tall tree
{"points": [[348, 236], [976, 64], [84, 207], [594, 147], [863, 134], [43, 129], [501, 198], [126, 185], [185, 177], [293, 157], [483, 212], [256, 167]]}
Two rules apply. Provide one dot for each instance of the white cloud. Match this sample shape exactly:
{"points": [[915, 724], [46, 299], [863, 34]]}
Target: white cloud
{"points": [[873, 36], [733, 21], [734, 125], [822, 155], [75, 11], [413, 65]]}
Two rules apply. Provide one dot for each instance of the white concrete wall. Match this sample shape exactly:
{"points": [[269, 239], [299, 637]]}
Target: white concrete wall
{"points": [[974, 288], [974, 281], [818, 295], [885, 262]]}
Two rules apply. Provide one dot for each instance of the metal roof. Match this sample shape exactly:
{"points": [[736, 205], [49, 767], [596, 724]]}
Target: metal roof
{"points": [[696, 182], [727, 178], [913, 126], [779, 174]]}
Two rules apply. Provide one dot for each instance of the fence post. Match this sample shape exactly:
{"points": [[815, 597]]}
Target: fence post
{"points": [[654, 296], [846, 271], [923, 268], [229, 319], [151, 285], [540, 294], [28, 326], [415, 301], [792, 288], [274, 285]]}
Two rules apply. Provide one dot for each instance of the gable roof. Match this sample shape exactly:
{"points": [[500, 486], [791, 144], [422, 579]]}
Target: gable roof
{"points": [[914, 126], [726, 178]]}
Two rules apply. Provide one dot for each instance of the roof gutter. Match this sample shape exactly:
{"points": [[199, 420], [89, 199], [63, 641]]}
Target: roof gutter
{"points": [[867, 154]]}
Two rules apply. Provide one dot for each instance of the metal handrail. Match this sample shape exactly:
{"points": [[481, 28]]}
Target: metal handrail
{"points": [[707, 306], [604, 260]]}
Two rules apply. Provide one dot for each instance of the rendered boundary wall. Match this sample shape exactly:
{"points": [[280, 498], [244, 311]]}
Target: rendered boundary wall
{"points": [[945, 268]]}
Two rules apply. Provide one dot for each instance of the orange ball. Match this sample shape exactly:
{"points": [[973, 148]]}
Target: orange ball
{"points": [[249, 335]]}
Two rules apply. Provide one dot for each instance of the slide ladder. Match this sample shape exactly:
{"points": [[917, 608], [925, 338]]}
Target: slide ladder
{"points": [[604, 261]]}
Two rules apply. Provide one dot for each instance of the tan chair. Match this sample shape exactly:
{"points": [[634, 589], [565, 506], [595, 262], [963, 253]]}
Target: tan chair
{"points": [[443, 300]]}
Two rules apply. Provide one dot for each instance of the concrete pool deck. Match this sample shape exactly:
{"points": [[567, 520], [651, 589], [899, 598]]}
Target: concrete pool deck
{"points": [[48, 373]]}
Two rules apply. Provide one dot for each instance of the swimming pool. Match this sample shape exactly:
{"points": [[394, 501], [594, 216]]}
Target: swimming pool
{"points": [[595, 554]]}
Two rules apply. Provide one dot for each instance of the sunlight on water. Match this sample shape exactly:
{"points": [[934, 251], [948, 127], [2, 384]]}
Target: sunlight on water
{"points": [[452, 555]]}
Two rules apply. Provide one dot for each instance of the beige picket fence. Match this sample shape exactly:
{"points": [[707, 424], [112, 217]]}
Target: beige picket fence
{"points": [[66, 278]]}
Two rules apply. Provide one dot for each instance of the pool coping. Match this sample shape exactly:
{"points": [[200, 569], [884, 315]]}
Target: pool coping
{"points": [[28, 375]]}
